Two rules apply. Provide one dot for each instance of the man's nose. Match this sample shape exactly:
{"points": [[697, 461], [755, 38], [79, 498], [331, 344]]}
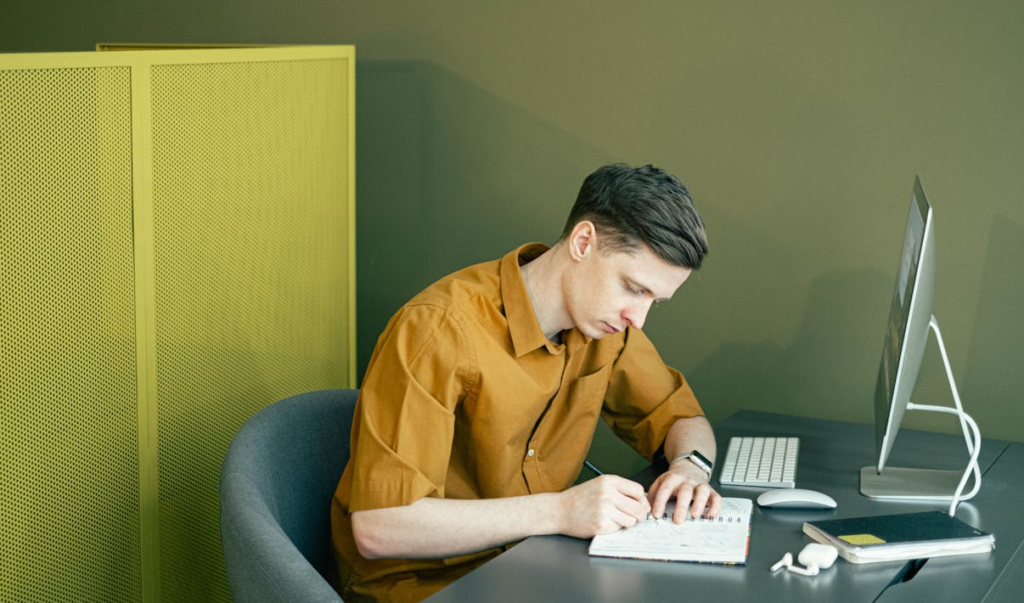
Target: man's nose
{"points": [[636, 314]]}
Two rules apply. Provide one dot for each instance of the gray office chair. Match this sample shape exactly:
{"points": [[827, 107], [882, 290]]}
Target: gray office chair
{"points": [[276, 485]]}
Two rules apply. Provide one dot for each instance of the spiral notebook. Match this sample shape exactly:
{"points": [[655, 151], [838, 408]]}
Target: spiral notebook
{"points": [[724, 539]]}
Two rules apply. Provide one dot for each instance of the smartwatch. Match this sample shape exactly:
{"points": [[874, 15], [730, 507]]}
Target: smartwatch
{"points": [[697, 459]]}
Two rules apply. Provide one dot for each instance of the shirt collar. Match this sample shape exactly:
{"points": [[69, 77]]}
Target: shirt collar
{"points": [[522, 319]]}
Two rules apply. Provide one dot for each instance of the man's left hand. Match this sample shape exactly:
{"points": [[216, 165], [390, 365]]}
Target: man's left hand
{"points": [[688, 484]]}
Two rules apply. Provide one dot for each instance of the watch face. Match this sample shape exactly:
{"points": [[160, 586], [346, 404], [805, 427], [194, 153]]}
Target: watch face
{"points": [[697, 459], [702, 460]]}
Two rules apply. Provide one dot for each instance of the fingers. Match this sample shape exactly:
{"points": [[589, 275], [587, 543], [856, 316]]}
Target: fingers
{"points": [[615, 520], [692, 500], [659, 496], [605, 504], [692, 497], [631, 499], [686, 503], [714, 504]]}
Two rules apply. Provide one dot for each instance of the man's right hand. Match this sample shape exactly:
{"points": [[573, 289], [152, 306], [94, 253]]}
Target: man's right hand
{"points": [[604, 504]]}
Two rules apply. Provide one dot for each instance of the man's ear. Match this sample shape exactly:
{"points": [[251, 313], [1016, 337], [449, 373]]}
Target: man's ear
{"points": [[582, 240]]}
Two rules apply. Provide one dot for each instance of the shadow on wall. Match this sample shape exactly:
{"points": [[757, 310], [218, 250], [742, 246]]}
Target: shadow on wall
{"points": [[829, 368], [448, 175], [994, 381], [987, 373]]}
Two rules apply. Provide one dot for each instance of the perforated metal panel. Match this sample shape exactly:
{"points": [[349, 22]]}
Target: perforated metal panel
{"points": [[251, 258], [176, 252], [69, 466]]}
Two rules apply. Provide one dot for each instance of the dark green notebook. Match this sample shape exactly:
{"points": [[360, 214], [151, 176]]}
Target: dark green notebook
{"points": [[902, 536]]}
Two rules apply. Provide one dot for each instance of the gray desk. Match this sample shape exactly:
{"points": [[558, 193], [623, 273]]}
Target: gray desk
{"points": [[558, 569]]}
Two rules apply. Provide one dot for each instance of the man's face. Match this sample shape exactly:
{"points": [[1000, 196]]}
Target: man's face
{"points": [[611, 291]]}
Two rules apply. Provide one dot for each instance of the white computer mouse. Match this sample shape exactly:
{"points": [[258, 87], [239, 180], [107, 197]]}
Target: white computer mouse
{"points": [[795, 498]]}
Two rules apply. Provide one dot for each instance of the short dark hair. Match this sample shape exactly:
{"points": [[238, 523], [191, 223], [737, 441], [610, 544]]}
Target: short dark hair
{"points": [[645, 204]]}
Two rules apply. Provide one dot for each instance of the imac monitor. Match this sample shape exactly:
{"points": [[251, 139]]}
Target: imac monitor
{"points": [[907, 330], [906, 333]]}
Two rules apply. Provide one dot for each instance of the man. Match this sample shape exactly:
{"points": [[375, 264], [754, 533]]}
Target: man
{"points": [[480, 401]]}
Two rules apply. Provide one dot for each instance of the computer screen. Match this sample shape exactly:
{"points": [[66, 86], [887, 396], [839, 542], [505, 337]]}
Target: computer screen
{"points": [[907, 330], [906, 334]]}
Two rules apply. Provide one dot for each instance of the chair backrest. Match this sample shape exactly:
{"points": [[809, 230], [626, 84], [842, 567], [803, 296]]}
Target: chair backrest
{"points": [[276, 485]]}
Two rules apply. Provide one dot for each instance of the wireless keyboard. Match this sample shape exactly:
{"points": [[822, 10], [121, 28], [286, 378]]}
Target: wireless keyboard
{"points": [[764, 462]]}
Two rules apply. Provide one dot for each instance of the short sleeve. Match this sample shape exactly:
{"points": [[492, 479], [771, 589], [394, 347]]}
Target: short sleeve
{"points": [[405, 419], [645, 397]]}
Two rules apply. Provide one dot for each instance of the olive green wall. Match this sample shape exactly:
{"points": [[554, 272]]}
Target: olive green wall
{"points": [[799, 130], [797, 126]]}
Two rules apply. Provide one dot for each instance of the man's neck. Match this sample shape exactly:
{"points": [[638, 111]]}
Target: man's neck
{"points": [[542, 278]]}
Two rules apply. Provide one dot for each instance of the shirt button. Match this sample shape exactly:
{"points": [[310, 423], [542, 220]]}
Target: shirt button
{"points": [[530, 452]]}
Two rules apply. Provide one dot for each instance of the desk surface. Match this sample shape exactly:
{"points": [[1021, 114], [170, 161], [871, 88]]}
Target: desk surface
{"points": [[557, 568]]}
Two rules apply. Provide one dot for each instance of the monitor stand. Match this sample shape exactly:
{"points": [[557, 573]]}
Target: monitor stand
{"points": [[929, 484], [904, 483]]}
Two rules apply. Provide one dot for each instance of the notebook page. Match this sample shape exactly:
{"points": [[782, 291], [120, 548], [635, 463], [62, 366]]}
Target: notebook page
{"points": [[724, 539]]}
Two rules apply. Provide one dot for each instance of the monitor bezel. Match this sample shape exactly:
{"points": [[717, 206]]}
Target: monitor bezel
{"points": [[891, 404]]}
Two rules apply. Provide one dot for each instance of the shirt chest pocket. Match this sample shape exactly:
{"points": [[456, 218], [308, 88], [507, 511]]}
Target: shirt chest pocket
{"points": [[586, 394], [572, 416]]}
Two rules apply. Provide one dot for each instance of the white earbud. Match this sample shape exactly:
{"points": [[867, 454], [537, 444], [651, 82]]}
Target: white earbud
{"points": [[810, 570], [786, 561]]}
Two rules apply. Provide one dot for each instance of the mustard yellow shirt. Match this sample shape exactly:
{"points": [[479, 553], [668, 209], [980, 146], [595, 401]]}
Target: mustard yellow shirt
{"points": [[466, 398]]}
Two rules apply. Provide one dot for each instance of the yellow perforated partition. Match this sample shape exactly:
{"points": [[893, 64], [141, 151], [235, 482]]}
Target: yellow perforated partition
{"points": [[246, 224], [176, 252], [69, 450]]}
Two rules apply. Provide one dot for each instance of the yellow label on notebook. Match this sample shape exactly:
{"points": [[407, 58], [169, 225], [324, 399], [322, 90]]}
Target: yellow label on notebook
{"points": [[861, 539]]}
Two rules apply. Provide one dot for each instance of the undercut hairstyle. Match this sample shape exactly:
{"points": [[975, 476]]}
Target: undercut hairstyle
{"points": [[630, 206]]}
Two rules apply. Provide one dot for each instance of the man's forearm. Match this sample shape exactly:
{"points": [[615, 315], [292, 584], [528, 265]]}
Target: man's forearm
{"points": [[685, 435], [435, 528]]}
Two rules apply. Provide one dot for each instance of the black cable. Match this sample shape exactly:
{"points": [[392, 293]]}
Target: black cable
{"points": [[904, 575]]}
